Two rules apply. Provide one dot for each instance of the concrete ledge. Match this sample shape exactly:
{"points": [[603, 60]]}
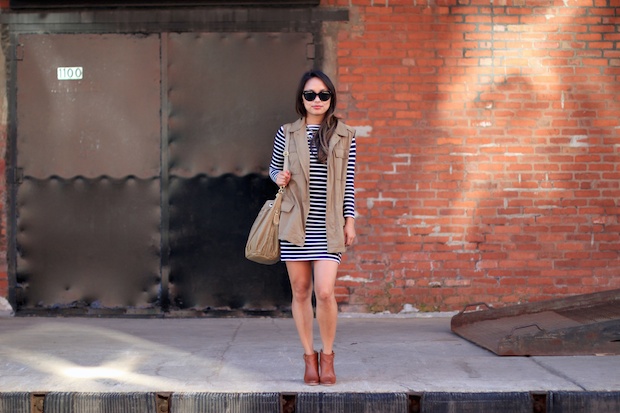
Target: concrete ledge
{"points": [[432, 402]]}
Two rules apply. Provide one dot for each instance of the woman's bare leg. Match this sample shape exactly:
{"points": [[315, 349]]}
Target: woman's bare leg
{"points": [[326, 307], [300, 275]]}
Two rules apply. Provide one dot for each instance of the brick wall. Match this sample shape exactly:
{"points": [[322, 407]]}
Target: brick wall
{"points": [[489, 166]]}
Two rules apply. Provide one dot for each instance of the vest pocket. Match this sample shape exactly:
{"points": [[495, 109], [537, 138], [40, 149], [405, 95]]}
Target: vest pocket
{"points": [[340, 164], [286, 205]]}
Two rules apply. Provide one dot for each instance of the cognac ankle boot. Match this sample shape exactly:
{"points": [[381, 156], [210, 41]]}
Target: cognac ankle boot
{"points": [[311, 376], [328, 375]]}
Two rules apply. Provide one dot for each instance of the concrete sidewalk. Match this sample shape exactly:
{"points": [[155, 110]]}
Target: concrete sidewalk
{"points": [[376, 354], [391, 355]]}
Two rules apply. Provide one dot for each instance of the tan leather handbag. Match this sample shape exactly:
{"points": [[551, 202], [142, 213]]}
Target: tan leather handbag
{"points": [[263, 245]]}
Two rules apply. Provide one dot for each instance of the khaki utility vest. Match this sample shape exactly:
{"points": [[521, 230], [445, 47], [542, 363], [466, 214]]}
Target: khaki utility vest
{"points": [[296, 201]]}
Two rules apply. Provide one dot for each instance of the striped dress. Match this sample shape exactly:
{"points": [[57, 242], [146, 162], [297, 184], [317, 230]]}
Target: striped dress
{"points": [[315, 246]]}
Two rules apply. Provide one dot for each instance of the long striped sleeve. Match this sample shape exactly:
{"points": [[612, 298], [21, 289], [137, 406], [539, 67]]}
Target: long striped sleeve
{"points": [[349, 190], [277, 157]]}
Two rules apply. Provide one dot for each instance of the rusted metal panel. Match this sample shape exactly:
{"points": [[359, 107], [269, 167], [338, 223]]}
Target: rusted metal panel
{"points": [[116, 211], [88, 173], [88, 244], [580, 325], [209, 220], [513, 402], [583, 401], [15, 402], [19, 4], [228, 93], [106, 123], [86, 402]]}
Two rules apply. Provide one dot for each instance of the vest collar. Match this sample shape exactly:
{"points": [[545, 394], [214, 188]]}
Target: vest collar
{"points": [[300, 123]]}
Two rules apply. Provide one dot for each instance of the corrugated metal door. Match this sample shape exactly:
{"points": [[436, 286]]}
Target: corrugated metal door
{"points": [[228, 94], [120, 212], [88, 148]]}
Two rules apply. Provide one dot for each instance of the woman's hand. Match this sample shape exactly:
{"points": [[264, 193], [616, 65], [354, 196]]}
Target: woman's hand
{"points": [[283, 178], [349, 231]]}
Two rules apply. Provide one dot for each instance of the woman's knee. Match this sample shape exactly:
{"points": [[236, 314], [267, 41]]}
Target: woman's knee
{"points": [[301, 291], [300, 275], [325, 293]]}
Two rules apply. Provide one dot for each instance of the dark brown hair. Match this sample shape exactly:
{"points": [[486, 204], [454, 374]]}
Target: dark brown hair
{"points": [[330, 121]]}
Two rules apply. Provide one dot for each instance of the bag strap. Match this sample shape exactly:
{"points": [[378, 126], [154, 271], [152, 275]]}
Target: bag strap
{"points": [[285, 153]]}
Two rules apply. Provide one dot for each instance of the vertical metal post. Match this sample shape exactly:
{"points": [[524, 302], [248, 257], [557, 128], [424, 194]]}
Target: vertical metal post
{"points": [[11, 183], [164, 173]]}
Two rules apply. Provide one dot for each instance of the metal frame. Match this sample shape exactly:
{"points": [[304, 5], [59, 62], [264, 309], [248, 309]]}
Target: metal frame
{"points": [[11, 170], [51, 4], [151, 21]]}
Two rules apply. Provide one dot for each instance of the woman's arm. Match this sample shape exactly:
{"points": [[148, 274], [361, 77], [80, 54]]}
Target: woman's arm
{"points": [[277, 157], [349, 189], [349, 197]]}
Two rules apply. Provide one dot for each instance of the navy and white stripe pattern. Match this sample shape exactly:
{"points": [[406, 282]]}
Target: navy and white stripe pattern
{"points": [[315, 247]]}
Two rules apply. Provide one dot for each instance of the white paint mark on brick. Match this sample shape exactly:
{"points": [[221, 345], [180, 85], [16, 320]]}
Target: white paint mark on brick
{"points": [[354, 279], [408, 308], [407, 161], [370, 202], [485, 124], [363, 131], [577, 141]]}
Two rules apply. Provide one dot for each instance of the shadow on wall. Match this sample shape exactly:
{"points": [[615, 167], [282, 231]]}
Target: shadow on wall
{"points": [[493, 180]]}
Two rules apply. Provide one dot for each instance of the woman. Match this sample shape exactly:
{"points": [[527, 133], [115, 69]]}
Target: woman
{"points": [[317, 220]]}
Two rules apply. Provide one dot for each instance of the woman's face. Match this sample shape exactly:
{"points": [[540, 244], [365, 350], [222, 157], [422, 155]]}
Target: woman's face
{"points": [[316, 108]]}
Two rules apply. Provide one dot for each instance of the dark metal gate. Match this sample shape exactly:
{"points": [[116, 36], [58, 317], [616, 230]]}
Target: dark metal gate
{"points": [[227, 95], [141, 162], [88, 197]]}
